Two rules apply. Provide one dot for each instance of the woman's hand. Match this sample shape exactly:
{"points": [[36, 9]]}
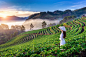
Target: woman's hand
{"points": [[59, 38]]}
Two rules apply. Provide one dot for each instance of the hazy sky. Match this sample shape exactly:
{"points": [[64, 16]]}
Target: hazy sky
{"points": [[28, 7], [24, 8]]}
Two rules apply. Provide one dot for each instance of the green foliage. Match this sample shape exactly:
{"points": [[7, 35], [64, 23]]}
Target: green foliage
{"points": [[44, 24], [46, 42], [67, 18]]}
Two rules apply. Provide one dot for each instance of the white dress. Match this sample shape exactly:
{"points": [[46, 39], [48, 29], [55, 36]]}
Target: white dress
{"points": [[62, 41]]}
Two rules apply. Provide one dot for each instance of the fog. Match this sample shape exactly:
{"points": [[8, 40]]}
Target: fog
{"points": [[37, 23], [10, 23]]}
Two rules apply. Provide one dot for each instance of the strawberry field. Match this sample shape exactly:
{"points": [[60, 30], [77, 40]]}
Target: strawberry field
{"points": [[45, 42]]}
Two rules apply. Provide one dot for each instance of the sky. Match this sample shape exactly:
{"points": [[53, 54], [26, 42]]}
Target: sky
{"points": [[24, 8]]}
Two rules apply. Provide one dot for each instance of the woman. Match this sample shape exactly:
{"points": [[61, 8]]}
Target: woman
{"points": [[62, 35]]}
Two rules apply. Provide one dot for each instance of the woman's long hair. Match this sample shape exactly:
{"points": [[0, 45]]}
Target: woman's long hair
{"points": [[64, 32]]}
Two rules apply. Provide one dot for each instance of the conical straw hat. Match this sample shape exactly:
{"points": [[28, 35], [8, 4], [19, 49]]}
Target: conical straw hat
{"points": [[62, 28]]}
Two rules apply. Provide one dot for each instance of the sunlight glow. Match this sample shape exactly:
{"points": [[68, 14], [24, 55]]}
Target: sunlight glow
{"points": [[4, 16], [16, 13]]}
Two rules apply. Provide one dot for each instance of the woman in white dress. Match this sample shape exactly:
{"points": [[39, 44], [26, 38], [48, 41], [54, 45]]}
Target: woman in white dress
{"points": [[62, 35]]}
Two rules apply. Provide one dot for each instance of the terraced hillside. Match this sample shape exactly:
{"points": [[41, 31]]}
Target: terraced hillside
{"points": [[45, 42]]}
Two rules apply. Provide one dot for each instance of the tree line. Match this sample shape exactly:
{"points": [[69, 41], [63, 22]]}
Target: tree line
{"points": [[16, 27], [7, 34], [67, 18], [43, 25]]}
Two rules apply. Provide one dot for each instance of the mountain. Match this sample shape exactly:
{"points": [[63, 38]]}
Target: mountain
{"points": [[58, 14], [58, 17], [13, 18]]}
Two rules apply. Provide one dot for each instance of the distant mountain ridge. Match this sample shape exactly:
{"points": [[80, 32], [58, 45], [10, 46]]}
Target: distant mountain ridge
{"points": [[13, 18], [58, 14]]}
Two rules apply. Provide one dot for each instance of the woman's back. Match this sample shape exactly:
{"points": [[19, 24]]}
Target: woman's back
{"points": [[62, 41]]}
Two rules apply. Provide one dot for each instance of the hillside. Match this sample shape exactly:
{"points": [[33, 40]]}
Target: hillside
{"points": [[45, 42], [6, 35], [58, 14]]}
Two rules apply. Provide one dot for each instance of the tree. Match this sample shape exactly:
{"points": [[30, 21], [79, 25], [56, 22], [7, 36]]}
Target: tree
{"points": [[1, 27], [44, 24], [22, 28], [12, 27], [51, 24], [65, 18], [18, 27], [4, 26], [31, 26], [73, 17]]}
